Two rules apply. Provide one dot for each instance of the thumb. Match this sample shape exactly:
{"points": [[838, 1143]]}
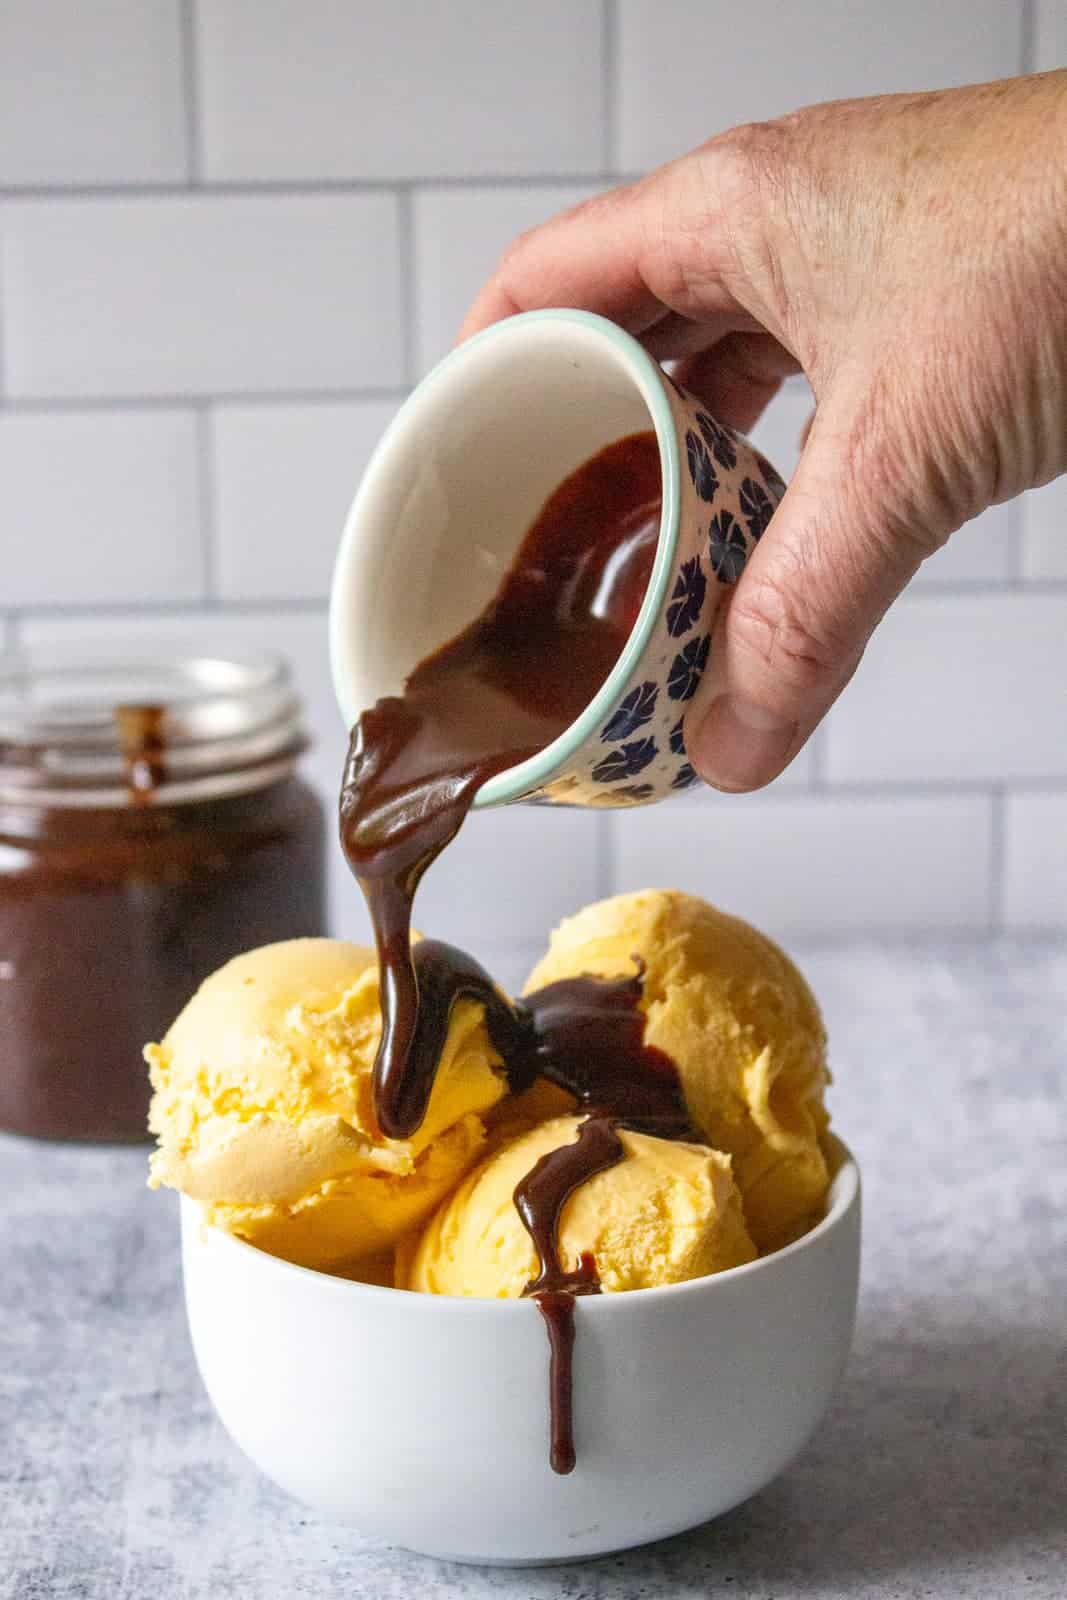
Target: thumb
{"points": [[794, 629]]}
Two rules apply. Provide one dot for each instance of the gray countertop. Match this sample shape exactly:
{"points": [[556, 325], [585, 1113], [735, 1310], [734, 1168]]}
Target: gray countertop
{"points": [[941, 1471]]}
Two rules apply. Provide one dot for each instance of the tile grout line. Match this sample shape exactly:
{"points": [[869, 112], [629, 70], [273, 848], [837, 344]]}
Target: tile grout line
{"points": [[817, 783], [190, 72], [163, 610], [606, 863], [296, 187], [1027, 35], [1016, 581], [5, 335], [876, 790], [63, 405], [207, 506], [997, 857], [405, 234], [609, 58]]}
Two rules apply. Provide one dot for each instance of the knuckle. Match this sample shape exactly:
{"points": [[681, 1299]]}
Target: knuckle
{"points": [[749, 154], [754, 175], [770, 624], [513, 254]]}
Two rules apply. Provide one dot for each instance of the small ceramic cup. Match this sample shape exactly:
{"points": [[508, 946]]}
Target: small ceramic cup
{"points": [[458, 479], [423, 1419]]}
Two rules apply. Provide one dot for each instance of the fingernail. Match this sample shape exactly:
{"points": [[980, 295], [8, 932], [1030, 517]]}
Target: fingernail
{"points": [[740, 745]]}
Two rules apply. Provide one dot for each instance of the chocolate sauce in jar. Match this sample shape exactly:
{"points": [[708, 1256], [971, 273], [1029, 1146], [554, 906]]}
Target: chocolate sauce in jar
{"points": [[133, 864], [497, 694]]}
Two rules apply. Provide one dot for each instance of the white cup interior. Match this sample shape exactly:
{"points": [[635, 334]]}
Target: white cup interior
{"points": [[458, 480]]}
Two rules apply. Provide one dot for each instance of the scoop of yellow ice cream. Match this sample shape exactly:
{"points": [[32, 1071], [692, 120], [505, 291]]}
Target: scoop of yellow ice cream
{"points": [[263, 1105], [665, 1213], [351, 1219], [742, 1026]]}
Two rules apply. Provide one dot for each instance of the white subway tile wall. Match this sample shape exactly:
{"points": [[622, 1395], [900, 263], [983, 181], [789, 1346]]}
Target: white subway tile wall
{"points": [[690, 70], [1050, 35], [459, 236], [412, 89], [197, 294], [1044, 520], [100, 506], [803, 864], [284, 477], [91, 94], [973, 691], [1035, 859], [233, 232]]}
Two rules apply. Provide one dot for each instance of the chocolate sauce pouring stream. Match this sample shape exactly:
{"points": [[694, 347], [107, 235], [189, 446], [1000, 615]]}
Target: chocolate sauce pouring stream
{"points": [[496, 695]]}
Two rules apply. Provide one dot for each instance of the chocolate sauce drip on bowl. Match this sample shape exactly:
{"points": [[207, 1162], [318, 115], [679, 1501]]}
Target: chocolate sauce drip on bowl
{"points": [[496, 695]]}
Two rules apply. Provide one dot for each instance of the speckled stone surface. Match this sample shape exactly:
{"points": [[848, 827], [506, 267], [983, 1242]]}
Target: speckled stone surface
{"points": [[941, 1471]]}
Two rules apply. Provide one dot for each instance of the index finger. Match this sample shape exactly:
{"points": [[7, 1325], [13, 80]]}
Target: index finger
{"points": [[634, 254], [585, 257]]}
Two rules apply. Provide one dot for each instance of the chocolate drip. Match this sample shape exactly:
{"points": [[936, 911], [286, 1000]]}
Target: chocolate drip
{"points": [[539, 1200], [588, 1036], [494, 696], [557, 1311], [442, 976], [140, 731]]}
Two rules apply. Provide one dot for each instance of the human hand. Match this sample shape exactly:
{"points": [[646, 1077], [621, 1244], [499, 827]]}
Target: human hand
{"points": [[909, 254]]}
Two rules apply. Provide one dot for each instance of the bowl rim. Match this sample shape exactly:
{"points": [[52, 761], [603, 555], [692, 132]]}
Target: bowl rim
{"points": [[843, 1199]]}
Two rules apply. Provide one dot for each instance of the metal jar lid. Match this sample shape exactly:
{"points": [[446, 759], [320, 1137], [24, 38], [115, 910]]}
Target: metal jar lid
{"points": [[111, 733]]}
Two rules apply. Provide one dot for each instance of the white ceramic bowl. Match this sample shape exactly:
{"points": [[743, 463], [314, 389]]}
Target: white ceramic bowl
{"points": [[424, 1419]]}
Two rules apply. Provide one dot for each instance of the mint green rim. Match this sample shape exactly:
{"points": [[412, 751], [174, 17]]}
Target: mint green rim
{"points": [[519, 781]]}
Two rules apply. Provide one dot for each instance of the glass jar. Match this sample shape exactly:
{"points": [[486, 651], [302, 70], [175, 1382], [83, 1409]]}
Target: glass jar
{"points": [[152, 825]]}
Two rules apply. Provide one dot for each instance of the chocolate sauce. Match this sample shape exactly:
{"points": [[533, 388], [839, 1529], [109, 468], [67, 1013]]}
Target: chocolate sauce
{"points": [[589, 1039], [497, 694], [132, 867], [111, 917], [587, 1036], [500, 692], [539, 1200]]}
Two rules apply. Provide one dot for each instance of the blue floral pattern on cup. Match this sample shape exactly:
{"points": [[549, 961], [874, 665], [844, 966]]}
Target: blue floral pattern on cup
{"points": [[687, 599], [625, 762], [687, 668], [729, 493], [721, 441], [757, 507], [635, 710], [700, 468], [727, 547]]}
